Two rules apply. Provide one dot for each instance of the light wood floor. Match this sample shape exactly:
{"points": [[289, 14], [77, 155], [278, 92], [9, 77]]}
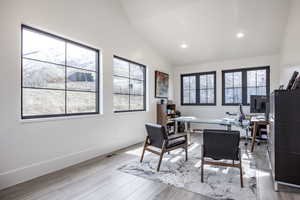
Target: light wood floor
{"points": [[98, 179]]}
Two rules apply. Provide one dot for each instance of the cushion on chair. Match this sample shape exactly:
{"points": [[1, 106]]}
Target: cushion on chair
{"points": [[176, 142]]}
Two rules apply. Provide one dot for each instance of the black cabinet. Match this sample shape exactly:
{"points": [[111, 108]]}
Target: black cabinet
{"points": [[284, 141]]}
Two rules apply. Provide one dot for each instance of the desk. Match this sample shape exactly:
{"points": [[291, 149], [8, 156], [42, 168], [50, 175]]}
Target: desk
{"points": [[256, 122], [228, 122]]}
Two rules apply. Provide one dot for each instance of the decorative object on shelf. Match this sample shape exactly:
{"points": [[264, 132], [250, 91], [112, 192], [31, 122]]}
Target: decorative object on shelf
{"points": [[281, 87], [161, 85], [292, 80], [162, 101], [296, 84], [165, 112]]}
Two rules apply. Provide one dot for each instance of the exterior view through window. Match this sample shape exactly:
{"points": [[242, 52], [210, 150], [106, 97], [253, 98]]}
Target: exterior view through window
{"points": [[239, 85], [129, 85], [59, 77]]}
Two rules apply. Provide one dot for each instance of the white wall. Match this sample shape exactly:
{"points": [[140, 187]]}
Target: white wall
{"points": [[290, 58], [218, 111], [28, 150]]}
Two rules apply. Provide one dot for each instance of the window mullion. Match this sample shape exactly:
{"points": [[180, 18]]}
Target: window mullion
{"points": [[244, 87], [129, 107], [66, 82], [197, 89], [206, 95]]}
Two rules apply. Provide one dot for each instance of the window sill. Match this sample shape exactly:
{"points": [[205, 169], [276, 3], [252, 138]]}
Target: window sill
{"points": [[35, 120], [198, 104], [129, 112], [235, 104]]}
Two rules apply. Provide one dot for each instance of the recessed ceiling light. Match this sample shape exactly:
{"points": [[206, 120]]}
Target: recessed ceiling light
{"points": [[240, 35], [184, 46]]}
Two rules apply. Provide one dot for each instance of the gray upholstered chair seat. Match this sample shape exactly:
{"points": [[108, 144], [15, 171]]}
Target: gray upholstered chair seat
{"points": [[176, 142]]}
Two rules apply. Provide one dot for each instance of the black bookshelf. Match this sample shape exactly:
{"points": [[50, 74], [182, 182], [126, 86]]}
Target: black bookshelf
{"points": [[284, 142]]}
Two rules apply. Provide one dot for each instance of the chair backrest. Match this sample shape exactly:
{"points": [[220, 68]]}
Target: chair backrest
{"points": [[157, 134], [221, 144]]}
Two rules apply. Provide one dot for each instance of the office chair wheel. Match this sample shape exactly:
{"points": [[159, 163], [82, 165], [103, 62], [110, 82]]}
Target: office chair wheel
{"points": [[246, 143]]}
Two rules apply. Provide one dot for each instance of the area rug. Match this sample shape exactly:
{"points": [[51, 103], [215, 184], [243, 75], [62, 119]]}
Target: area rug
{"points": [[219, 182]]}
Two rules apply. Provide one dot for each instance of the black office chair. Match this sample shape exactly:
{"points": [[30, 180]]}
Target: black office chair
{"points": [[158, 137], [221, 145]]}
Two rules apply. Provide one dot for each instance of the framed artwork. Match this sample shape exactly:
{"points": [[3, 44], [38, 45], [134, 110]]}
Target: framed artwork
{"points": [[161, 85]]}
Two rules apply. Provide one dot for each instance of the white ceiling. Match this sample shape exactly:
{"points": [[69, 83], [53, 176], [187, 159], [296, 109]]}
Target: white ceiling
{"points": [[209, 27]]}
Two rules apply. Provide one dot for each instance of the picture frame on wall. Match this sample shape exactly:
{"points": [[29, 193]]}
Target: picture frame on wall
{"points": [[161, 85]]}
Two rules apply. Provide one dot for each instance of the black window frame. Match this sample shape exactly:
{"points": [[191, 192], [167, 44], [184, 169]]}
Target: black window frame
{"points": [[97, 72], [144, 85], [244, 83], [197, 75]]}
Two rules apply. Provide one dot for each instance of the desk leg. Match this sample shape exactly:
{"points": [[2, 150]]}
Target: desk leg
{"points": [[254, 136], [228, 127], [189, 133]]}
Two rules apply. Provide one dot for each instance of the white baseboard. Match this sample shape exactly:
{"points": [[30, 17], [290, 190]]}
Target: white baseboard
{"points": [[35, 170]]}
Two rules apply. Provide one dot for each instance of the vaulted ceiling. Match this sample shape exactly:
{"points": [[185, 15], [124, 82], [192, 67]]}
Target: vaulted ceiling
{"points": [[209, 27]]}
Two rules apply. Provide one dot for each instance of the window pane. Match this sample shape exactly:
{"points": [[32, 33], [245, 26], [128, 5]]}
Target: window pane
{"points": [[136, 87], [43, 47], [261, 91], [203, 96], [43, 75], [121, 67], [192, 96], [136, 72], [251, 78], [251, 91], [186, 96], [43, 102], [210, 96], [81, 80], [81, 102], [229, 96], [237, 79], [203, 83], [81, 57], [192, 82], [261, 78], [186, 83], [210, 81], [237, 95], [121, 85], [121, 102], [136, 102], [228, 80]]}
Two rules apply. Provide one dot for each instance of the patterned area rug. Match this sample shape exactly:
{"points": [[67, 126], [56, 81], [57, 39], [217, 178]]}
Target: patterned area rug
{"points": [[219, 182]]}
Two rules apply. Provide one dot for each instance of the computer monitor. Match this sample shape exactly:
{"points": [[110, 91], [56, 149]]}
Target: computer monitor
{"points": [[258, 104]]}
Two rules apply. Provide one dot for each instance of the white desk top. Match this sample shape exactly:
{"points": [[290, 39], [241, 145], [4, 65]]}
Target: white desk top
{"points": [[224, 121]]}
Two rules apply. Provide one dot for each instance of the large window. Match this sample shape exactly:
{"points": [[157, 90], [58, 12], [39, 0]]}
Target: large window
{"points": [[59, 77], [198, 89], [129, 85], [240, 84]]}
